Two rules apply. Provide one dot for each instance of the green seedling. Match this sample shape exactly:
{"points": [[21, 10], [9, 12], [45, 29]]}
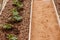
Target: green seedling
{"points": [[7, 26], [18, 3], [14, 11], [12, 37], [15, 18]]}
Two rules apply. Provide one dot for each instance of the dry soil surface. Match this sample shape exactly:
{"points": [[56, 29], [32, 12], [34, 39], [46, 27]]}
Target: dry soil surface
{"points": [[44, 21]]}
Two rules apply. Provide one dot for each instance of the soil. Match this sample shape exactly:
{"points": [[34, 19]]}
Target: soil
{"points": [[1, 1], [21, 29], [44, 21], [57, 2]]}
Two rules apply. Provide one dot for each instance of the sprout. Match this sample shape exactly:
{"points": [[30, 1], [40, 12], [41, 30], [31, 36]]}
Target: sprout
{"points": [[12, 37], [18, 3], [7, 26], [14, 11], [15, 18]]}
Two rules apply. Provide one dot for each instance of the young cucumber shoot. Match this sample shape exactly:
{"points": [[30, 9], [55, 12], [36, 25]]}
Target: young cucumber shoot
{"points": [[14, 11], [18, 3], [11, 37], [7, 26], [15, 16]]}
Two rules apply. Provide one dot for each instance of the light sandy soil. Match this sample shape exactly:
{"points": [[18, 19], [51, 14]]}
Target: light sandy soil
{"points": [[44, 21]]}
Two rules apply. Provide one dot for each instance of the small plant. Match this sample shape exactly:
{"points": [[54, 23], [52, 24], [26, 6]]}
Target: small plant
{"points": [[14, 11], [15, 16], [7, 26], [18, 3], [12, 37]]}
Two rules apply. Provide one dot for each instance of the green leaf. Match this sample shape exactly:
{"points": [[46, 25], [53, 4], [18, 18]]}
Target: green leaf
{"points": [[12, 37], [18, 3], [14, 11], [9, 35], [17, 17], [7, 26]]}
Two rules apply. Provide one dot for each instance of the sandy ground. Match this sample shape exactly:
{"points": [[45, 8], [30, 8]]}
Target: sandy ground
{"points": [[44, 21]]}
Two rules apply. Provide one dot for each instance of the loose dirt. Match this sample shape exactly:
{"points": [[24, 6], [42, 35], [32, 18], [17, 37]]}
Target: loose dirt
{"points": [[22, 27], [44, 21]]}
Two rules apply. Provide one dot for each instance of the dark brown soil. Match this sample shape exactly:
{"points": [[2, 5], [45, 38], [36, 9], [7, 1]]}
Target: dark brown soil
{"points": [[57, 2], [21, 29], [1, 1]]}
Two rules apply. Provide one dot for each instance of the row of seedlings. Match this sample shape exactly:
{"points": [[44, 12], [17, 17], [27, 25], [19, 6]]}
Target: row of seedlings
{"points": [[18, 4]]}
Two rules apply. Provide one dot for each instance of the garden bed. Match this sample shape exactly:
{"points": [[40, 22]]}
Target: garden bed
{"points": [[21, 28]]}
